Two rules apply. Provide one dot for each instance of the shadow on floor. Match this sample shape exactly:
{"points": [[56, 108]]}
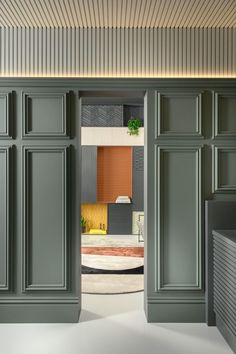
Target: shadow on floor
{"points": [[87, 316]]}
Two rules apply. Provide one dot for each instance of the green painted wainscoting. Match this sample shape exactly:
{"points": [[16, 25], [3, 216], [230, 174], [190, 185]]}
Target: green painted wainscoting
{"points": [[39, 242], [190, 156]]}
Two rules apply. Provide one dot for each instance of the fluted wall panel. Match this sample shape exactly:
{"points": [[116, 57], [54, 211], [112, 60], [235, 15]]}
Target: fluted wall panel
{"points": [[118, 52]]}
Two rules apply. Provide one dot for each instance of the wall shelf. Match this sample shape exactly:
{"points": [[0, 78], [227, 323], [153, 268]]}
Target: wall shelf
{"points": [[110, 136]]}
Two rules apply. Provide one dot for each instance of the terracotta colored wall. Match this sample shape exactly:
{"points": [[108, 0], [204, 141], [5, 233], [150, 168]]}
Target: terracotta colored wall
{"points": [[114, 173]]}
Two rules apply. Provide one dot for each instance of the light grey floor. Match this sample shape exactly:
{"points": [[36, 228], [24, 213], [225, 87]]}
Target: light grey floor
{"points": [[111, 324]]}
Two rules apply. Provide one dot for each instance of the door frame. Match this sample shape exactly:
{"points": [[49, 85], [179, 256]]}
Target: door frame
{"points": [[132, 90]]}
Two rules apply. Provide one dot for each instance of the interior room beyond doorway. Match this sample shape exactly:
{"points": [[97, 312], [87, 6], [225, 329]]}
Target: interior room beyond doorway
{"points": [[112, 208]]}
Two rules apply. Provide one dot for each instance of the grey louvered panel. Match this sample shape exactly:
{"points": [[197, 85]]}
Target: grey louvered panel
{"points": [[224, 241], [227, 282], [225, 261], [224, 248], [224, 283], [225, 254], [224, 320], [224, 280], [221, 243], [222, 269], [138, 178], [226, 307], [228, 322], [102, 115], [226, 312], [224, 286], [226, 293], [227, 237]]}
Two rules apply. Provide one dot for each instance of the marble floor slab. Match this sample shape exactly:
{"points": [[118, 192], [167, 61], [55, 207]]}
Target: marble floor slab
{"points": [[112, 284], [111, 262], [111, 241]]}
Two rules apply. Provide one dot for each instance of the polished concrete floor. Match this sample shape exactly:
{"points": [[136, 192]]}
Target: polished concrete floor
{"points": [[111, 324]]}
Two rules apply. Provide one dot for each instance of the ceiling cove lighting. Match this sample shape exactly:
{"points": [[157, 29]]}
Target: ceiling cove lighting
{"points": [[116, 76]]}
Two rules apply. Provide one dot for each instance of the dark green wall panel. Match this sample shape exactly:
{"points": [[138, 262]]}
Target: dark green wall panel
{"points": [[173, 205], [224, 113], [44, 114], [4, 217], [5, 114], [224, 168], [178, 199], [45, 218], [39, 204], [191, 138], [179, 113]]}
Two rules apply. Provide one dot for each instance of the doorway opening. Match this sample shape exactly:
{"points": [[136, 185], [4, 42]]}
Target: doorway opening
{"points": [[112, 191]]}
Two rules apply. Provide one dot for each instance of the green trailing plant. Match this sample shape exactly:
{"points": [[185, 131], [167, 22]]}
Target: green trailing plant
{"points": [[83, 223], [133, 126]]}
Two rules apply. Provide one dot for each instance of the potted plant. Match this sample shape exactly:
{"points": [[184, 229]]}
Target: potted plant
{"points": [[83, 223], [133, 126]]}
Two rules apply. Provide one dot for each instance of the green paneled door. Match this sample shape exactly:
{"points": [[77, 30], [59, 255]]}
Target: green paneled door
{"points": [[39, 205], [45, 218], [174, 260], [178, 221]]}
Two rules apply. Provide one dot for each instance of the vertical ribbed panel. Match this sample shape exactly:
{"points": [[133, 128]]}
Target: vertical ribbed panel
{"points": [[117, 52]]}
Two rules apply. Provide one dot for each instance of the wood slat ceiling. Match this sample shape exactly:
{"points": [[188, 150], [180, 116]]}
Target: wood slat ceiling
{"points": [[118, 13]]}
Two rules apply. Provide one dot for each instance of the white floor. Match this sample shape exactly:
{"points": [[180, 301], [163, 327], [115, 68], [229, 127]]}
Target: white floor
{"points": [[111, 324]]}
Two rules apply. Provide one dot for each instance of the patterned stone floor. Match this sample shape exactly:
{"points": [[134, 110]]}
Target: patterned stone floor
{"points": [[111, 252], [114, 251], [111, 241], [111, 262], [112, 284]]}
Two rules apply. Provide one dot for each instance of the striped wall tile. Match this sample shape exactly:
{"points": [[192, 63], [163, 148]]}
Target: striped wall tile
{"points": [[117, 52]]}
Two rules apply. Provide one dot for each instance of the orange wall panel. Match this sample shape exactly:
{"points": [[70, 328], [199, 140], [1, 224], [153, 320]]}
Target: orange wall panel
{"points": [[114, 173]]}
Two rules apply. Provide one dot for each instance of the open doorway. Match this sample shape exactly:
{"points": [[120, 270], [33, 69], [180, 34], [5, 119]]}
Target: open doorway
{"points": [[112, 192]]}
